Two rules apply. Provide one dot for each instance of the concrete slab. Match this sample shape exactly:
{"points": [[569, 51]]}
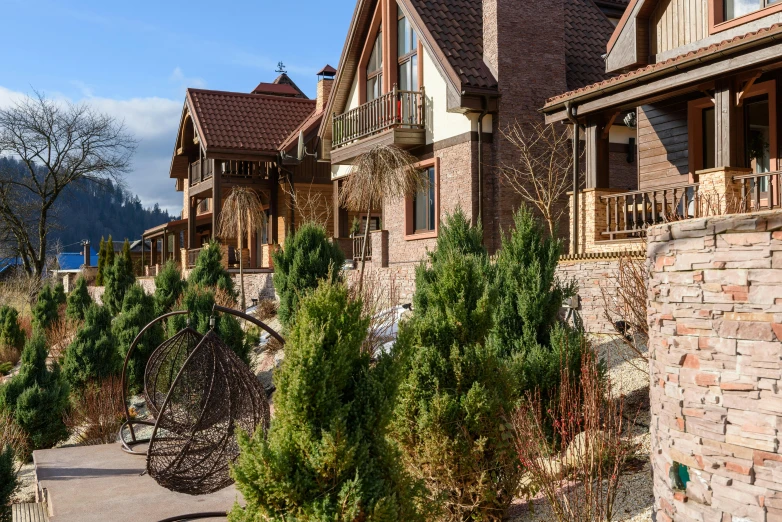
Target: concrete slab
{"points": [[103, 483]]}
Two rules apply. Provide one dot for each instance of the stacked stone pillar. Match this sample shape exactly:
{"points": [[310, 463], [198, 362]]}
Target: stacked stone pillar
{"points": [[718, 194], [715, 312]]}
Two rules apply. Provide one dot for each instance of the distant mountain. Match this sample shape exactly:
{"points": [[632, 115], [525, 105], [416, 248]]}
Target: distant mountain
{"points": [[89, 211]]}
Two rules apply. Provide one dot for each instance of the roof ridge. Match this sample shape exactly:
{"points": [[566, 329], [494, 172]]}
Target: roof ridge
{"points": [[251, 95]]}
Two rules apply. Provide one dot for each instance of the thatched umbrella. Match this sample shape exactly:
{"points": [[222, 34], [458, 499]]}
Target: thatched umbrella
{"points": [[242, 212], [382, 173]]}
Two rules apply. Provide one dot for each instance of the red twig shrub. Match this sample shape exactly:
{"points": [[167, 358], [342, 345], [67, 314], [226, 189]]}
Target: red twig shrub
{"points": [[97, 412], [578, 469]]}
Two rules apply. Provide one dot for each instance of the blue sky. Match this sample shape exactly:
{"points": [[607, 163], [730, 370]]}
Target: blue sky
{"points": [[135, 59]]}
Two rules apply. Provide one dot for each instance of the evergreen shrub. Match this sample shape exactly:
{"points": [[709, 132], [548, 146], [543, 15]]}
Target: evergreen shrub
{"points": [[93, 354], [169, 286], [138, 310], [11, 334], [79, 300], [209, 271], [118, 278], [326, 456], [46, 308], [8, 482], [307, 258]]}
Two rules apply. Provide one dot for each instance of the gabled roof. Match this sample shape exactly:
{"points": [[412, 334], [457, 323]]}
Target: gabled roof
{"points": [[456, 27], [309, 125], [587, 31], [276, 89], [238, 122]]}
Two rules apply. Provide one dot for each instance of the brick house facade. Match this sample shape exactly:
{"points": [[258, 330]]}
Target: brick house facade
{"points": [[482, 66]]}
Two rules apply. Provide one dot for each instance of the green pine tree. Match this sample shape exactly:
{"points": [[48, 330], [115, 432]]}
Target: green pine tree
{"points": [[327, 456], [101, 262], [118, 278], [93, 354], [109, 253], [37, 396], [8, 482], [209, 271], [199, 302], [78, 300], [11, 333], [45, 311], [59, 294], [138, 310], [169, 286], [307, 258], [452, 418]]}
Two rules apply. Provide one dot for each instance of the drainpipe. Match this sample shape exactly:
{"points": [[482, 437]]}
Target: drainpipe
{"points": [[571, 116], [484, 112]]}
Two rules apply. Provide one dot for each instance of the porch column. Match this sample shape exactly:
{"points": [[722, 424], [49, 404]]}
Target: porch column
{"points": [[728, 125], [164, 258], [340, 214], [177, 246], [153, 251], [273, 205], [597, 148], [217, 201], [192, 218]]}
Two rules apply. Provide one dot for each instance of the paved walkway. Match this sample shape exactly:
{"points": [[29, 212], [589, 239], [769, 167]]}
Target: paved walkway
{"points": [[102, 483]]}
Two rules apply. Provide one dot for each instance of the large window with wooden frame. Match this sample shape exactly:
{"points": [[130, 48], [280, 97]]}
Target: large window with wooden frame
{"points": [[407, 53], [375, 69], [422, 210]]}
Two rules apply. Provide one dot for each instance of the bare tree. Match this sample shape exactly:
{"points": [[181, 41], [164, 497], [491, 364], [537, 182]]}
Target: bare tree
{"points": [[382, 173], [60, 144], [241, 213], [542, 172]]}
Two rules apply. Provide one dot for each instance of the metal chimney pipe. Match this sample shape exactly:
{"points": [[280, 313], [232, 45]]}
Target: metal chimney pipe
{"points": [[86, 252]]}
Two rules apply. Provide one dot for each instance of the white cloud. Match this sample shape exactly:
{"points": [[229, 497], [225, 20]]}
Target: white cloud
{"points": [[183, 82], [154, 122]]}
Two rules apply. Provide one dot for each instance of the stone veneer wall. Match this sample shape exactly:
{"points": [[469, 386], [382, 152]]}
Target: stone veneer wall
{"points": [[715, 308]]}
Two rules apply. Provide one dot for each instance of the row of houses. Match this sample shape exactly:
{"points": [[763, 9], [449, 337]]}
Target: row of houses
{"points": [[673, 103]]}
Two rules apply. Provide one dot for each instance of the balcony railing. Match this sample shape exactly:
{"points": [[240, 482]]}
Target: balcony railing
{"points": [[631, 213], [760, 191], [200, 171], [406, 109], [358, 243], [240, 169]]}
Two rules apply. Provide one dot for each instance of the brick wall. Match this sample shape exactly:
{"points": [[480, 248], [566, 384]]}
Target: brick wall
{"points": [[594, 277], [715, 310]]}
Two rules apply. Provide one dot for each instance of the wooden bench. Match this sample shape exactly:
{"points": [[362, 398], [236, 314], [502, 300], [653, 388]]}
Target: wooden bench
{"points": [[29, 512]]}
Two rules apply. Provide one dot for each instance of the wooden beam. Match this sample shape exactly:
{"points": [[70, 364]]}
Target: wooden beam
{"points": [[192, 218], [274, 175], [217, 204], [728, 125], [596, 153], [743, 94], [610, 123]]}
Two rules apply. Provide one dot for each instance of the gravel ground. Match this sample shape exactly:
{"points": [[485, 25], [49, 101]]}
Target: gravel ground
{"points": [[634, 500]]}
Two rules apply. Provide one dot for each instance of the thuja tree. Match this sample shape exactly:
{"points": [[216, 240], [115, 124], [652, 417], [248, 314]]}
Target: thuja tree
{"points": [[118, 279], [11, 333], [78, 300], [527, 329], [101, 262], [327, 456], [45, 310], [138, 310], [168, 288], [210, 272], [58, 293], [8, 482], [199, 302], [308, 258], [37, 396], [93, 355], [452, 417]]}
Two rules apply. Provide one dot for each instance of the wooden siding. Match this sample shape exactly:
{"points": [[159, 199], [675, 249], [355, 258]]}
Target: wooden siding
{"points": [[678, 22], [663, 144]]}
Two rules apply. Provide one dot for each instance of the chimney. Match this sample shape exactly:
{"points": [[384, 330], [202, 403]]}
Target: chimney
{"points": [[86, 252], [325, 83]]}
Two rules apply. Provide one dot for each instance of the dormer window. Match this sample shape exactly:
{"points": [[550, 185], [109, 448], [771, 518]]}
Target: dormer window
{"points": [[737, 8], [375, 69]]}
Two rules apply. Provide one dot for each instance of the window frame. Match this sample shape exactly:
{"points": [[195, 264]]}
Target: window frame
{"points": [[410, 233], [695, 110], [717, 21]]}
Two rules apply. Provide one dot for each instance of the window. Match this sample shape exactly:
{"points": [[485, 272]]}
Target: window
{"points": [[424, 204], [737, 8], [407, 53], [375, 69]]}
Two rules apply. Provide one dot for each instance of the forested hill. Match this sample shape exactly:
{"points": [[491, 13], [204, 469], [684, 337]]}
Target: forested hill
{"points": [[89, 211]]}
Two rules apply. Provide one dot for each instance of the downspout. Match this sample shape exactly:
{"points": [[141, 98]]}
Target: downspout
{"points": [[571, 116], [484, 112]]}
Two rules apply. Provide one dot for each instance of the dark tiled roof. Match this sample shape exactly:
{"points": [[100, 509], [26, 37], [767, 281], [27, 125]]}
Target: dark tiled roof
{"points": [[276, 89], [246, 122], [328, 70], [587, 31], [457, 28], [675, 63], [306, 127]]}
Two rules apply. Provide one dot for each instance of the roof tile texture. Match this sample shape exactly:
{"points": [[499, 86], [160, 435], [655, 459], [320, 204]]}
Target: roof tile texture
{"points": [[457, 27], [247, 122], [587, 31]]}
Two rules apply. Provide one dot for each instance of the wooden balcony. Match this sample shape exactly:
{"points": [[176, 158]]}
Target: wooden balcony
{"points": [[397, 118], [629, 214], [231, 173], [201, 171]]}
